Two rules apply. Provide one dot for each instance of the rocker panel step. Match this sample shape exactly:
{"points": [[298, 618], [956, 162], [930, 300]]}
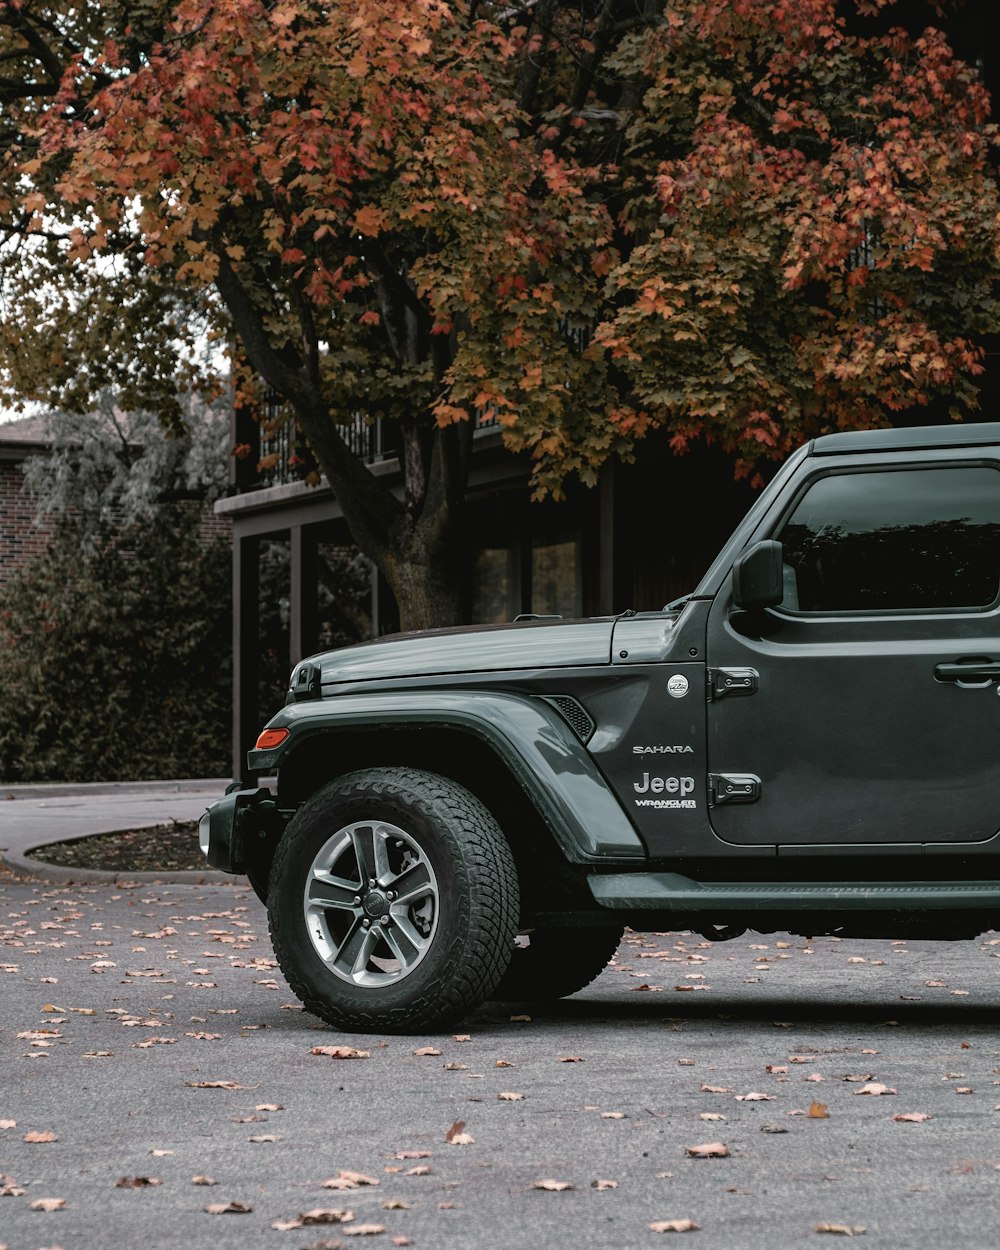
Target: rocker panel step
{"points": [[670, 891]]}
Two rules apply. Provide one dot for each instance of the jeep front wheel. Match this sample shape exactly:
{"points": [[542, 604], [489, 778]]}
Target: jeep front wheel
{"points": [[393, 902]]}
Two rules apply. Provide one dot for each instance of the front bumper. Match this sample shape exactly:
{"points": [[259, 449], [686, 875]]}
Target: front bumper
{"points": [[232, 826]]}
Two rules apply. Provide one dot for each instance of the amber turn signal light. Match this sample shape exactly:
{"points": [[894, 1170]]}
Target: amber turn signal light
{"points": [[270, 738]]}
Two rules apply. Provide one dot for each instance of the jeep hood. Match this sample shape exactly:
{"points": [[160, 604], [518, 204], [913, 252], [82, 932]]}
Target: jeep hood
{"points": [[474, 649]]}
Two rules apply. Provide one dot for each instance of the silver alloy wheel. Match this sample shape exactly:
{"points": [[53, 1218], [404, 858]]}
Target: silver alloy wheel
{"points": [[371, 903]]}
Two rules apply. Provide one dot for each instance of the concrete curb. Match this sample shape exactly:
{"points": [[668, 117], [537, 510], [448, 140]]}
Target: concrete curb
{"points": [[62, 789], [25, 866]]}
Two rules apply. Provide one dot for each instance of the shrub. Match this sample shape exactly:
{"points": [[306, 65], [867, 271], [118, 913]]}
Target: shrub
{"points": [[115, 659]]}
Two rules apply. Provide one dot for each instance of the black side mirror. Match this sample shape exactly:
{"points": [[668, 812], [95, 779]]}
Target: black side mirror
{"points": [[758, 577]]}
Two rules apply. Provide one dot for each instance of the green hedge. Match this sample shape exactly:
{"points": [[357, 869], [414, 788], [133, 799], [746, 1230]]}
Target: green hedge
{"points": [[115, 656]]}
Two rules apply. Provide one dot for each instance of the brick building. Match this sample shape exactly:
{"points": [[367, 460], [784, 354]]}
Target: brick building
{"points": [[21, 536], [23, 533]]}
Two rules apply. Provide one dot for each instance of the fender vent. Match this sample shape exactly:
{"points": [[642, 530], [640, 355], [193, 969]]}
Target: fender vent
{"points": [[577, 715]]}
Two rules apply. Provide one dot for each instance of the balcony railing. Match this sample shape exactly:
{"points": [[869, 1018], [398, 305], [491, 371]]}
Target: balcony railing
{"points": [[270, 451]]}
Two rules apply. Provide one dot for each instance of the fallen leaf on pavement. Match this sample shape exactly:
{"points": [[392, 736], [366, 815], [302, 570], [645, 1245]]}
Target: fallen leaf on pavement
{"points": [[508, 1095], [964, 1089], [348, 1179], [269, 1106], [710, 1150], [423, 1050], [710, 1115], [396, 1204], [818, 1111], [912, 1117], [203, 1180], [263, 1137], [612, 1115], [340, 1052], [327, 1215], [674, 1226], [36, 1136], [228, 1208], [752, 1097], [602, 1185], [136, 1182], [551, 1185], [8, 1124], [571, 1059], [875, 1088], [413, 1154], [715, 1089], [847, 1230], [318, 1215], [47, 1204], [364, 1230], [213, 1084]]}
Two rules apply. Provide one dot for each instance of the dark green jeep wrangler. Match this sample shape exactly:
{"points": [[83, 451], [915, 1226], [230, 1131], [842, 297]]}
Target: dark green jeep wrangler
{"points": [[810, 743]]}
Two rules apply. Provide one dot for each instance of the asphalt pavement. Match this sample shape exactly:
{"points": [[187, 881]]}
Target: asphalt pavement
{"points": [[33, 816], [162, 1087]]}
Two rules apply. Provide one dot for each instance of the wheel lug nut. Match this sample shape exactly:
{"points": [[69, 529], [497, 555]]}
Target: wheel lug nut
{"points": [[365, 924], [389, 895], [384, 920], [373, 883], [357, 899]]}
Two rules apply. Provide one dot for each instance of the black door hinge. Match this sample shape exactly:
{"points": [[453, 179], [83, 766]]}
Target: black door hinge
{"points": [[732, 681], [732, 788]]}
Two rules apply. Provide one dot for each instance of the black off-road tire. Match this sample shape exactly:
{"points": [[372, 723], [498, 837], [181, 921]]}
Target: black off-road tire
{"points": [[557, 962], [429, 827]]}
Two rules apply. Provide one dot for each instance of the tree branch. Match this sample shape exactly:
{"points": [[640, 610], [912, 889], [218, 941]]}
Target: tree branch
{"points": [[41, 50], [375, 513]]}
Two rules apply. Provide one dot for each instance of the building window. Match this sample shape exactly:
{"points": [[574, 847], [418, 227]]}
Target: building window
{"points": [[538, 575]]}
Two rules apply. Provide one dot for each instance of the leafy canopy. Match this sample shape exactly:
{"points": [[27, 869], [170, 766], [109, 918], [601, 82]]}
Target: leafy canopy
{"points": [[743, 220]]}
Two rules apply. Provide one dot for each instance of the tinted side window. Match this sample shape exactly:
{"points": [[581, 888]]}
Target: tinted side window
{"points": [[895, 540]]}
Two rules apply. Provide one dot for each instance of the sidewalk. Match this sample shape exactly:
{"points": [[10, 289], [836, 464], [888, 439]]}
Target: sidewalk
{"points": [[33, 816]]}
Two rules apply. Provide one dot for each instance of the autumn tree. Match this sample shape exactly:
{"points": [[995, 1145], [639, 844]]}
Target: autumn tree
{"points": [[741, 220]]}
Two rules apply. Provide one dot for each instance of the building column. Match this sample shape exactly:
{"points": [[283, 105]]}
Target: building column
{"points": [[606, 542], [304, 593], [246, 595]]}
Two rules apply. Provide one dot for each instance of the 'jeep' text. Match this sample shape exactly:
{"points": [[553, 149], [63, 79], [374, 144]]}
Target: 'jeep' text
{"points": [[663, 785]]}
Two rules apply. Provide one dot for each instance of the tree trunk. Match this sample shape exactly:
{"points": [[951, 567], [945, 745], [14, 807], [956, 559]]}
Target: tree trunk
{"points": [[428, 579], [420, 546]]}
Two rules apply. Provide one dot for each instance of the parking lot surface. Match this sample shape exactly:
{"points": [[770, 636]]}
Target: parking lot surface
{"points": [[149, 1046]]}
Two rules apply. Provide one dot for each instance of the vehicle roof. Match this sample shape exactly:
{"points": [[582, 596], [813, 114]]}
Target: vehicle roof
{"points": [[911, 438]]}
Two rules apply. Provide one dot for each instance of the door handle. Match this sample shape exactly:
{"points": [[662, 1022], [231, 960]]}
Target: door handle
{"points": [[972, 673]]}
